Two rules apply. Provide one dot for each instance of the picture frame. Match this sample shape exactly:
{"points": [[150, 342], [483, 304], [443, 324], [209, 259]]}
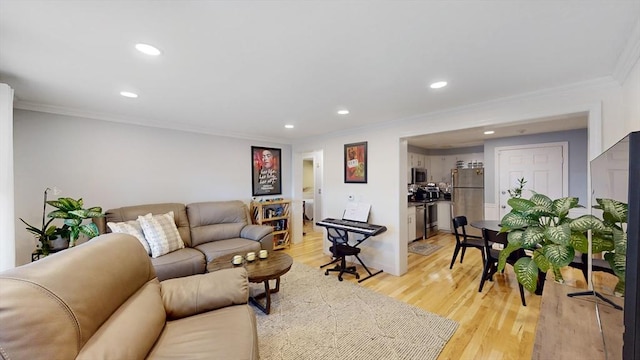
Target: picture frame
{"points": [[266, 171], [355, 163]]}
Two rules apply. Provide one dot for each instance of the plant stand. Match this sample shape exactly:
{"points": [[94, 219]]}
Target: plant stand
{"points": [[596, 294]]}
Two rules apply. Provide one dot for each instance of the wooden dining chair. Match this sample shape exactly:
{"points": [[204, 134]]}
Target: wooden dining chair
{"points": [[464, 241], [491, 237]]}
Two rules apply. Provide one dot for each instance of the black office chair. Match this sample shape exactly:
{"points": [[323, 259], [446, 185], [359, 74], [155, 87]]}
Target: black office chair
{"points": [[463, 240], [340, 249], [491, 263]]}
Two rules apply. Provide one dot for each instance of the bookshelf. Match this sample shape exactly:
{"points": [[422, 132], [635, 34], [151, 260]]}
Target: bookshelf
{"points": [[277, 214]]}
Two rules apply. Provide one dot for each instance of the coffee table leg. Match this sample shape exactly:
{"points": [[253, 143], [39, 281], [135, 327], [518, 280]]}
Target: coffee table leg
{"points": [[267, 295]]}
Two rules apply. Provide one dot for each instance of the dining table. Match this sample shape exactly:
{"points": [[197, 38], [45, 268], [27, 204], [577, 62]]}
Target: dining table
{"points": [[493, 225]]}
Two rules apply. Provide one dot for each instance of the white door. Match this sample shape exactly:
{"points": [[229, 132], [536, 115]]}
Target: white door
{"points": [[541, 165]]}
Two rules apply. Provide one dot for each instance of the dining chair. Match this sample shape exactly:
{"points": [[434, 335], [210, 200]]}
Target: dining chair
{"points": [[464, 240], [491, 237]]}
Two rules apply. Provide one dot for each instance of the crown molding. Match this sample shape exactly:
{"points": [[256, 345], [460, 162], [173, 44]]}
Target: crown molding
{"points": [[60, 110], [629, 56]]}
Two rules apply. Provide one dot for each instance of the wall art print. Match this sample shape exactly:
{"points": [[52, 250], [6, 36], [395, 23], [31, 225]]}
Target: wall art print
{"points": [[355, 163], [266, 172]]}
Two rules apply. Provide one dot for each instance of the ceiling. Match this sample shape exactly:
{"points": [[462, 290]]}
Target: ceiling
{"points": [[476, 137], [247, 68]]}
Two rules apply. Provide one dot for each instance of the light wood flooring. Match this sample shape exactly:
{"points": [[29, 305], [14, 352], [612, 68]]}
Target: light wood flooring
{"points": [[492, 324]]}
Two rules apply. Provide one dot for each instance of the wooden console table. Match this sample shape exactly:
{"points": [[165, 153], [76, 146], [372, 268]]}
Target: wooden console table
{"points": [[568, 327]]}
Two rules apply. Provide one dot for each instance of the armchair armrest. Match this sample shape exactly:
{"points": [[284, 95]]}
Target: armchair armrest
{"points": [[196, 294], [261, 233]]}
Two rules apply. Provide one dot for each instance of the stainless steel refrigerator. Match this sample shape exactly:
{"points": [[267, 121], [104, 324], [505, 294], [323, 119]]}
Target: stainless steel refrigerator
{"points": [[467, 196]]}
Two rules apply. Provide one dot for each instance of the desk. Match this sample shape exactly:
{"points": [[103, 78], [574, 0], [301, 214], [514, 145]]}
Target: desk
{"points": [[493, 225]]}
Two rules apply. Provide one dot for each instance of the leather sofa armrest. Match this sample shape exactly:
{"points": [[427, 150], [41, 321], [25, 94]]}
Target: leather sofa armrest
{"points": [[261, 233], [196, 294]]}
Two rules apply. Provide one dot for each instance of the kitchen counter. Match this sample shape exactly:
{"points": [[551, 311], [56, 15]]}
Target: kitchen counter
{"points": [[416, 203]]}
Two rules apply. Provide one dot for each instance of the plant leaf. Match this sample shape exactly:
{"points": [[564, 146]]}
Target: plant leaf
{"points": [[614, 211], [504, 254], [532, 236], [513, 220], [618, 263], [542, 201], [527, 273], [519, 204], [559, 255], [541, 261], [620, 241], [58, 214], [587, 222], [562, 206], [73, 223], [91, 230], [560, 234], [600, 244]]}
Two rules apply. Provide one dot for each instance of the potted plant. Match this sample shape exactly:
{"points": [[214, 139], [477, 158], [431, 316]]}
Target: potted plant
{"points": [[47, 234], [611, 235], [51, 237], [74, 214], [542, 226]]}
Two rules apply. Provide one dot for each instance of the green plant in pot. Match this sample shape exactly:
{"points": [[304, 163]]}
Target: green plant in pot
{"points": [[610, 235], [47, 234], [74, 214], [542, 225]]}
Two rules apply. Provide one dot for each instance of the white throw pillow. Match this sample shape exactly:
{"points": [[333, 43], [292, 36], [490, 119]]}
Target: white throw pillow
{"points": [[132, 228], [161, 233]]}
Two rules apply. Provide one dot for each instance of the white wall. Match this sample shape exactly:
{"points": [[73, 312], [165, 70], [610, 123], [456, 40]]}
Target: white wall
{"points": [[631, 105], [387, 170], [112, 165], [7, 227]]}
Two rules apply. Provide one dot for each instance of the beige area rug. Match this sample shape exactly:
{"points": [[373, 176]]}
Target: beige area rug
{"points": [[423, 248], [318, 317]]}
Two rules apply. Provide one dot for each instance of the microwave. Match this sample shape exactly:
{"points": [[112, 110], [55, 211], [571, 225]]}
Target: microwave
{"points": [[418, 176]]}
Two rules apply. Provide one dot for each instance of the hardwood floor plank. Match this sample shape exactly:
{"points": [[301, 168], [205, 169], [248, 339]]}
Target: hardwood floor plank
{"points": [[493, 323]]}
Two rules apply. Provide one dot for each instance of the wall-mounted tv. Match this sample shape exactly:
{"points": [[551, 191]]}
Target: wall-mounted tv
{"points": [[615, 174]]}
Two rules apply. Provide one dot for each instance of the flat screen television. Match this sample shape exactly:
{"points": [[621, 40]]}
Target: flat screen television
{"points": [[615, 174]]}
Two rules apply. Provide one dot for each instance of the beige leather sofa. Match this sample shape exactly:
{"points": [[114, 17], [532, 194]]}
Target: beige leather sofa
{"points": [[102, 300], [208, 229]]}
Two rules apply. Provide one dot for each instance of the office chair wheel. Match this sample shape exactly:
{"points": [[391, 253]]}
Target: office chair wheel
{"points": [[326, 272], [357, 276], [340, 278]]}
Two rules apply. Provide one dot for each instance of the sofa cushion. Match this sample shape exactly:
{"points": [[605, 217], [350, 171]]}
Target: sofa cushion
{"points": [[215, 249], [132, 212], [216, 220], [179, 263], [132, 330], [161, 232], [228, 333], [131, 227]]}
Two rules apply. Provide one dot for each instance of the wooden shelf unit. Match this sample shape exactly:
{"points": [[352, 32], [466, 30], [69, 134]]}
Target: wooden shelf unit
{"points": [[277, 214]]}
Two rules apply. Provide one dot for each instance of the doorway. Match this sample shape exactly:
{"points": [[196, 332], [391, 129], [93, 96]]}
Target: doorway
{"points": [[543, 167], [311, 190]]}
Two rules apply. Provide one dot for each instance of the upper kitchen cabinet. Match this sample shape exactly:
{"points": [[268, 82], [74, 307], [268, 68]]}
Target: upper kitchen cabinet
{"points": [[416, 160]]}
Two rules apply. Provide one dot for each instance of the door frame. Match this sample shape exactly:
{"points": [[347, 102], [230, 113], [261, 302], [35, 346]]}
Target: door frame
{"points": [[565, 166]]}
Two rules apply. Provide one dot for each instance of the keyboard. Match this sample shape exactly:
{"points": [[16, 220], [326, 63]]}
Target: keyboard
{"points": [[354, 226]]}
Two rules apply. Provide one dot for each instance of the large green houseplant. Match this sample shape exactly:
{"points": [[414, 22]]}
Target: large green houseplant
{"points": [[542, 226], [74, 214]]}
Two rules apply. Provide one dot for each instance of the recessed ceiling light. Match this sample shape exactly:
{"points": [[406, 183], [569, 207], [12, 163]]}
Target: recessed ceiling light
{"points": [[489, 132], [148, 49], [343, 112], [289, 126], [128, 94], [438, 85]]}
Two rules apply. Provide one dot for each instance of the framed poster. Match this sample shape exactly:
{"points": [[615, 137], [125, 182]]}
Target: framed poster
{"points": [[355, 163], [266, 171]]}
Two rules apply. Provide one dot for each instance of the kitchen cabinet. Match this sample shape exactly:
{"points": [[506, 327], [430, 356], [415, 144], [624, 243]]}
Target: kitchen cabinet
{"points": [[416, 160], [444, 216], [411, 224]]}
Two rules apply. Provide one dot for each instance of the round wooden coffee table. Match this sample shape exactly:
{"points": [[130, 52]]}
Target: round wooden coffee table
{"points": [[259, 271]]}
